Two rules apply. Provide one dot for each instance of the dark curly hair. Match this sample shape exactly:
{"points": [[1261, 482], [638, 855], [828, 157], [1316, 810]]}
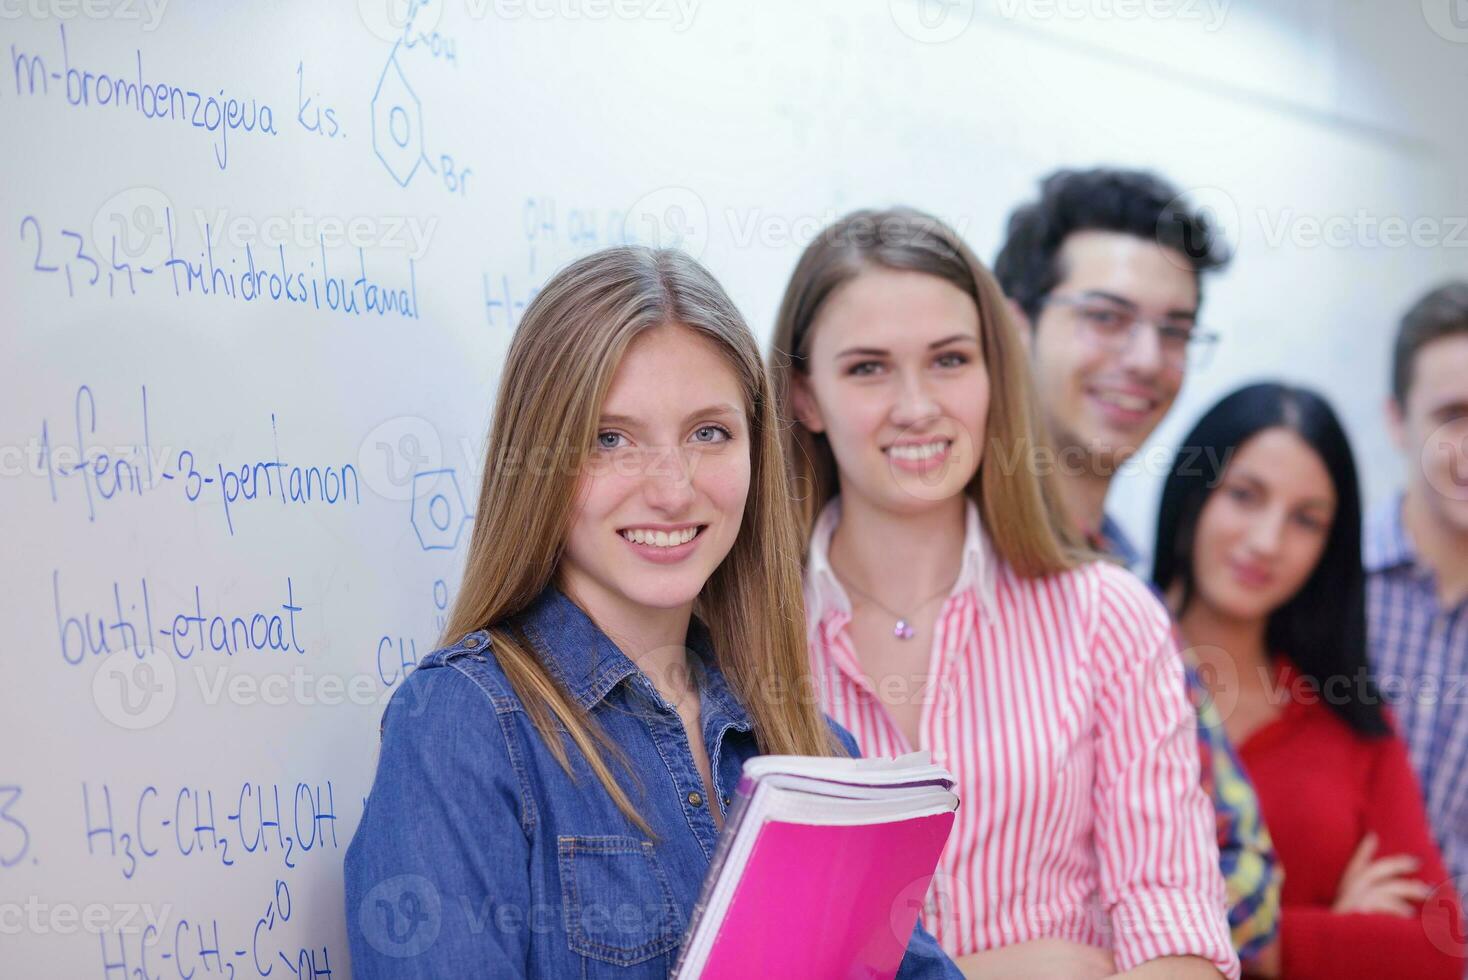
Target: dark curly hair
{"points": [[1132, 202]]}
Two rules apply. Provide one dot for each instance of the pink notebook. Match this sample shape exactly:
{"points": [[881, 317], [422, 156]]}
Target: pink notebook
{"points": [[821, 870]]}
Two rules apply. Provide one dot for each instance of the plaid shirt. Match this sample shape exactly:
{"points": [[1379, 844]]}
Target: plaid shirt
{"points": [[1245, 851], [1419, 653]]}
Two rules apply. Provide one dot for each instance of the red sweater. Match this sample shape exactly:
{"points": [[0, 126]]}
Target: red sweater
{"points": [[1321, 788]]}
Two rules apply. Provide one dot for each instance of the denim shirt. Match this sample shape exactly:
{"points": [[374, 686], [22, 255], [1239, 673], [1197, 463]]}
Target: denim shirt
{"points": [[478, 856]]}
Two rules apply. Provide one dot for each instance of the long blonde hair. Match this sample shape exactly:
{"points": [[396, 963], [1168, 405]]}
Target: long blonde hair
{"points": [[559, 367], [1014, 487]]}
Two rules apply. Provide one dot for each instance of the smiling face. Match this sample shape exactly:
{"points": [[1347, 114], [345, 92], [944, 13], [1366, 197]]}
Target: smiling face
{"points": [[897, 383], [1108, 401], [1433, 430], [1263, 530], [661, 498]]}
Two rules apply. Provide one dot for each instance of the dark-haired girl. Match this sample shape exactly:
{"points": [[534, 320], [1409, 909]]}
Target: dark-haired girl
{"points": [[1259, 555]]}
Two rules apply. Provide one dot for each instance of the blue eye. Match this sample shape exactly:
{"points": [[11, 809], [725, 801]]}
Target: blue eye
{"points": [[952, 359], [601, 438], [713, 428]]}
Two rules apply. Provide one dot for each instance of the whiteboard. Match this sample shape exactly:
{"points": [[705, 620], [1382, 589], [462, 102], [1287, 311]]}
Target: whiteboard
{"points": [[259, 266]]}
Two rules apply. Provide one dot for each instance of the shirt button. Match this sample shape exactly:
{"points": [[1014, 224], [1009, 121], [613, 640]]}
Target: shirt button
{"points": [[727, 801], [471, 641], [696, 799]]}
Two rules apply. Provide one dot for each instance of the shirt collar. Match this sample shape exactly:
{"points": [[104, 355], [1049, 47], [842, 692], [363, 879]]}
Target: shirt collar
{"points": [[1114, 541], [588, 664], [1386, 543], [824, 593]]}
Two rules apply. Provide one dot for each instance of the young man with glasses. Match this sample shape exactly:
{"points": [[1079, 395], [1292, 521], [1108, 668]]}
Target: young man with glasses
{"points": [[1104, 273]]}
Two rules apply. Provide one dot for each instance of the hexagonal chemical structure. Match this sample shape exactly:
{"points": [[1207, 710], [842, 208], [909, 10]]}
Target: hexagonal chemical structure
{"points": [[439, 514], [397, 123]]}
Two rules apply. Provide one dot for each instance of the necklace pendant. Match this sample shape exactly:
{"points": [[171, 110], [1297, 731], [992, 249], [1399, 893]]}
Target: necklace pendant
{"points": [[903, 631]]}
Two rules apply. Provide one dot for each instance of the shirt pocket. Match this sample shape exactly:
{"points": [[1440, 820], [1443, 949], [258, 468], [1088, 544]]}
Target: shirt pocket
{"points": [[618, 905]]}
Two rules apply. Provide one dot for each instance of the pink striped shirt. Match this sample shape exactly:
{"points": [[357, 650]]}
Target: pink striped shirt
{"points": [[1059, 705]]}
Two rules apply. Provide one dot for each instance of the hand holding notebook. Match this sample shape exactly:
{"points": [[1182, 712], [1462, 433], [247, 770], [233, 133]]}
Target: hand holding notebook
{"points": [[821, 869]]}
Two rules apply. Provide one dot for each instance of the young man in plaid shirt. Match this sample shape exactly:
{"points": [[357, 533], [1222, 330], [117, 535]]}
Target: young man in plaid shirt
{"points": [[1417, 562]]}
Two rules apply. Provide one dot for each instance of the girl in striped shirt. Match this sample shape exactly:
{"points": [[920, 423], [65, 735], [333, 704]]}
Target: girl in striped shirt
{"points": [[949, 609]]}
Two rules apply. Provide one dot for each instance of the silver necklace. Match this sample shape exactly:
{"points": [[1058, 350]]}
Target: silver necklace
{"points": [[902, 629]]}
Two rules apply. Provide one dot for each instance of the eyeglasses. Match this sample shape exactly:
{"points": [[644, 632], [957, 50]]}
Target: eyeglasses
{"points": [[1113, 328]]}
